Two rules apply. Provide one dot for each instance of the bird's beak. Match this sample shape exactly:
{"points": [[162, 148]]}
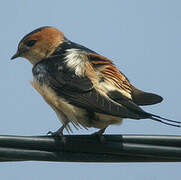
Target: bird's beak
{"points": [[15, 56]]}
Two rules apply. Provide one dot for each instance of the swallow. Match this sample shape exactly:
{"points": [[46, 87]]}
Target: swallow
{"points": [[83, 87]]}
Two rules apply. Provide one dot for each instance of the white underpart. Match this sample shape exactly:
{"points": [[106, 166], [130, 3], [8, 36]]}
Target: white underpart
{"points": [[75, 59]]}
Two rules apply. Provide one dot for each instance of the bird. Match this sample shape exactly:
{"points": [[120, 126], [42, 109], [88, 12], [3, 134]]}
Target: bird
{"points": [[83, 87]]}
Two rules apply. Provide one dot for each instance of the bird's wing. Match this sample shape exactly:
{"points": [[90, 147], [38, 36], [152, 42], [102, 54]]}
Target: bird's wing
{"points": [[110, 73], [53, 72], [144, 98], [78, 90]]}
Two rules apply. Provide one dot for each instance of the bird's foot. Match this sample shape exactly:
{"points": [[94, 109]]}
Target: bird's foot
{"points": [[58, 133], [99, 135]]}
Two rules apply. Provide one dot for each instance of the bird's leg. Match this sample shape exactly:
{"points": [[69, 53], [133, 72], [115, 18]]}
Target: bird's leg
{"points": [[59, 132], [99, 134]]}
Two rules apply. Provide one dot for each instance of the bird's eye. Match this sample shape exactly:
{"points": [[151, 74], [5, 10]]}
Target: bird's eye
{"points": [[30, 43]]}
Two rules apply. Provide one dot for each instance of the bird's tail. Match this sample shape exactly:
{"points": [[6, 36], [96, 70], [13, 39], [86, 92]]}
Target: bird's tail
{"points": [[166, 121]]}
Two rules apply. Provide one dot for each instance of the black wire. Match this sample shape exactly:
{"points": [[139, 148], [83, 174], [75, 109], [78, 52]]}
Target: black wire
{"points": [[87, 148]]}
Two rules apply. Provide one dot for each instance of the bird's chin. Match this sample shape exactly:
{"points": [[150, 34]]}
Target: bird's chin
{"points": [[33, 59]]}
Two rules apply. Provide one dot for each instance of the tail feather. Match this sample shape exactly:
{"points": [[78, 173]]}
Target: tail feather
{"points": [[166, 121]]}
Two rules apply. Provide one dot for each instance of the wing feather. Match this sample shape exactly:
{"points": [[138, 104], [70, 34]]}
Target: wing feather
{"points": [[109, 71], [77, 90]]}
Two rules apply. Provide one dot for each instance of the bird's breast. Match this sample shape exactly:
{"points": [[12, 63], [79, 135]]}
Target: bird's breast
{"points": [[74, 114], [61, 106]]}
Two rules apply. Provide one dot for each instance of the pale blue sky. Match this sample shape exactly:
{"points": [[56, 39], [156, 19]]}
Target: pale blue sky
{"points": [[143, 38]]}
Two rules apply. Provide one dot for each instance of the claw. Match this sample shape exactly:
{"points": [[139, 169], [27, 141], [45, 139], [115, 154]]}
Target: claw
{"points": [[99, 135], [58, 133]]}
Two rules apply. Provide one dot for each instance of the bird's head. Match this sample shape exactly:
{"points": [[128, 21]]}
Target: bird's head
{"points": [[39, 44]]}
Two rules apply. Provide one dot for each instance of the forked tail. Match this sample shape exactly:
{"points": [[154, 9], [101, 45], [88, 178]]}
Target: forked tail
{"points": [[166, 121]]}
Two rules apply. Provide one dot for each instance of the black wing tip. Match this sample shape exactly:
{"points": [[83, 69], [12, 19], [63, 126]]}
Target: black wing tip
{"points": [[142, 98], [158, 98]]}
